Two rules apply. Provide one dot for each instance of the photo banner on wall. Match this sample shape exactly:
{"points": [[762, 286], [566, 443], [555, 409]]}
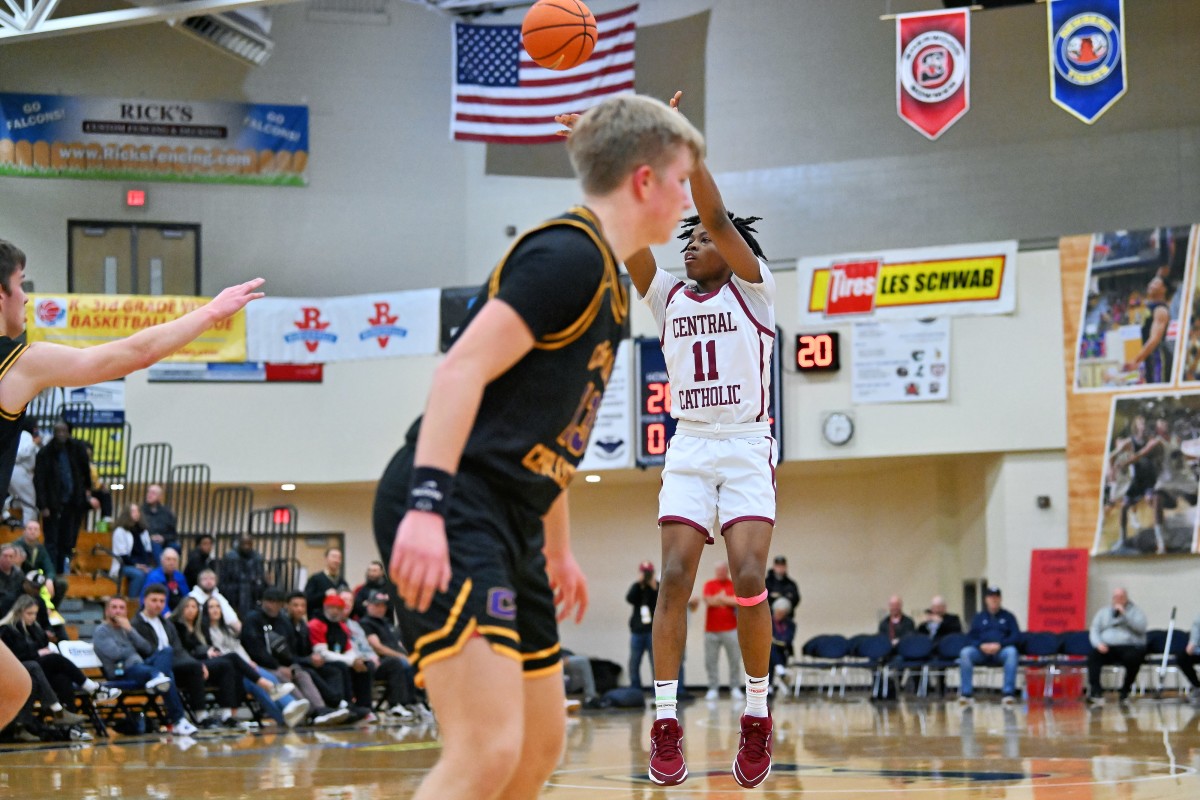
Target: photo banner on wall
{"points": [[901, 361], [951, 281], [1087, 55], [294, 330], [84, 320], [109, 138], [933, 69]]}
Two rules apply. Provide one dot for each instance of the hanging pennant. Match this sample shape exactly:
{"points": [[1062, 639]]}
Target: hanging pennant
{"points": [[1087, 55], [933, 66]]}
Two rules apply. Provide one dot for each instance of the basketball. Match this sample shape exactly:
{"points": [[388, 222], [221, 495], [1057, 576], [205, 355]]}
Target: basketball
{"points": [[559, 34]]}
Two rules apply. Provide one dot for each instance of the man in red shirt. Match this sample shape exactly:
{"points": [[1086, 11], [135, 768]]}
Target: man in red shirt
{"points": [[720, 633]]}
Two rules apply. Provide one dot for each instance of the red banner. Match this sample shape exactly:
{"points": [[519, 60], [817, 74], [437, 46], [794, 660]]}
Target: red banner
{"points": [[1058, 590], [933, 66]]}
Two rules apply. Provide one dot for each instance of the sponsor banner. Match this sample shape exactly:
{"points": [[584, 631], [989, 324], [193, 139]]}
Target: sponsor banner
{"points": [[611, 445], [1087, 55], [901, 361], [957, 280], [1132, 311], [106, 401], [110, 138], [292, 330], [83, 320], [1151, 460], [247, 372], [933, 69], [1058, 590]]}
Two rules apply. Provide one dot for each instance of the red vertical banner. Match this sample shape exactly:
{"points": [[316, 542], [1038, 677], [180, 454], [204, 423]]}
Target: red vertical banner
{"points": [[1058, 590], [933, 69]]}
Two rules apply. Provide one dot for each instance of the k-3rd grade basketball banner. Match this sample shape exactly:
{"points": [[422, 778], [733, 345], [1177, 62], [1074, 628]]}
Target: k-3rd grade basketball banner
{"points": [[1087, 55], [933, 69], [295, 330], [60, 136], [83, 320]]}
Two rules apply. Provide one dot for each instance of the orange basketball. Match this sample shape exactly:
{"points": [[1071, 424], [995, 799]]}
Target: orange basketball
{"points": [[559, 34]]}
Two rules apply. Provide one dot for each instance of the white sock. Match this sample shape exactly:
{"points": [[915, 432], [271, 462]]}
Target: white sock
{"points": [[756, 696], [56, 707], [90, 686], [665, 703]]}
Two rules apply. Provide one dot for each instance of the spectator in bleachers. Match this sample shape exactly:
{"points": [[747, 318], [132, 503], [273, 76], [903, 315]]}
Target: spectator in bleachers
{"points": [[206, 589], [133, 554], [62, 481], [362, 647], [332, 640], [37, 589], [12, 580], [186, 620], [101, 499], [126, 655], [1118, 636], [332, 679], [190, 674], [394, 667], [783, 634], [243, 576], [283, 705], [643, 596], [779, 584], [269, 640], [29, 643], [37, 557], [896, 625], [200, 558], [168, 576], [1191, 655], [21, 493], [578, 676], [994, 635], [938, 622], [376, 582], [159, 519], [328, 581]]}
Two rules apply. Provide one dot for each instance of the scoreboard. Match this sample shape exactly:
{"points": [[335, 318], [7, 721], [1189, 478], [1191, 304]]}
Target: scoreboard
{"points": [[653, 424]]}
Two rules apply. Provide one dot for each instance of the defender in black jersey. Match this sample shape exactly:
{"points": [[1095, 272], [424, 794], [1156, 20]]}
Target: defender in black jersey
{"points": [[472, 511], [27, 369]]}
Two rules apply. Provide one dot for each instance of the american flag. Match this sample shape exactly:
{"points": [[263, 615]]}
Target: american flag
{"points": [[501, 95]]}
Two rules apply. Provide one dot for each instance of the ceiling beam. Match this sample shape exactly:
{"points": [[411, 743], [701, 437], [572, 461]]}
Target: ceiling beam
{"points": [[37, 25]]}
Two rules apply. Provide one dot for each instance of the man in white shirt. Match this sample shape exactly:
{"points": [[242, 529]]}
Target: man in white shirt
{"points": [[205, 589]]}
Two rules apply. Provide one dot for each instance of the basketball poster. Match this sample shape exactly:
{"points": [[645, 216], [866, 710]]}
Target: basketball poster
{"points": [[1087, 55], [1151, 476], [933, 66]]}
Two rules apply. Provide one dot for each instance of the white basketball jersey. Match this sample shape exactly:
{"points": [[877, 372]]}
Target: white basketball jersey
{"points": [[717, 347]]}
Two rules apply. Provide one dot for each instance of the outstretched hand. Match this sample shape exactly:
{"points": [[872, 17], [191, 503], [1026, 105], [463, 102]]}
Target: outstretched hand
{"points": [[567, 121], [235, 298], [674, 101]]}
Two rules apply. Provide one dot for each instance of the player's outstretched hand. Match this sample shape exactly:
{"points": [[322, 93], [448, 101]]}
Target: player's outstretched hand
{"points": [[420, 563], [674, 101], [235, 298], [569, 585], [567, 121]]}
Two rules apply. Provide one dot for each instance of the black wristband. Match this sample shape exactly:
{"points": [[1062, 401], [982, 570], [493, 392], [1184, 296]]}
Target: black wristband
{"points": [[430, 490]]}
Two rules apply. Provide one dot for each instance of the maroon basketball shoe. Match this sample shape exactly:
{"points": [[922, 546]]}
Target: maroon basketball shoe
{"points": [[667, 767], [752, 764]]}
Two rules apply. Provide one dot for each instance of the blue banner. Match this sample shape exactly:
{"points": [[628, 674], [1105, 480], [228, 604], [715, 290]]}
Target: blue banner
{"points": [[106, 138], [1087, 55]]}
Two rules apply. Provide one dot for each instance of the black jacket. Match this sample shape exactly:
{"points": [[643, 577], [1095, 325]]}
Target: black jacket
{"points": [[180, 655], [48, 483], [242, 580], [255, 628], [639, 595], [783, 587], [950, 624], [24, 641]]}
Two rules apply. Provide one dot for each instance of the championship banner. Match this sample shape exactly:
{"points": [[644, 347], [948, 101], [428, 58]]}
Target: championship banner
{"points": [[951, 281], [84, 320], [933, 69], [1087, 55], [611, 443], [293, 330], [61, 136], [1058, 590]]}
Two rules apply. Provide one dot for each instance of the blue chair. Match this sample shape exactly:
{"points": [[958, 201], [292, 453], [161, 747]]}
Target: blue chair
{"points": [[827, 653], [914, 652], [1039, 650], [874, 652], [945, 656]]}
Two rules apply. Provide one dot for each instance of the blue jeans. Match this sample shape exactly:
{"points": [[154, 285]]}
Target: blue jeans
{"points": [[136, 579], [640, 644], [159, 664], [972, 656]]}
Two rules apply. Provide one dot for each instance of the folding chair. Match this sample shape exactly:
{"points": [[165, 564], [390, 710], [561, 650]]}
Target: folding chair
{"points": [[945, 656], [914, 652], [1039, 650], [875, 652], [825, 653]]}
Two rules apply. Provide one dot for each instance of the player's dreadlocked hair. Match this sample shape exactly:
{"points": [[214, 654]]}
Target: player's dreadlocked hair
{"points": [[743, 225]]}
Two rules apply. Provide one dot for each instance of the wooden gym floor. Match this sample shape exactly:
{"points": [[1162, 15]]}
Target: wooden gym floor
{"points": [[823, 748]]}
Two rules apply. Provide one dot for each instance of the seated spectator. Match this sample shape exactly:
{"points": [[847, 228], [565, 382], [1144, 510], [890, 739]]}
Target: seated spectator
{"points": [[578, 677], [22, 494], [30, 644], [332, 640], [376, 583], [12, 579], [243, 576], [207, 590], [37, 557], [1118, 636], [159, 519], [1187, 662], [200, 558], [783, 634], [327, 582], [993, 640], [270, 642], [125, 655], [779, 584], [939, 623], [133, 553], [331, 678], [101, 499], [38, 589], [168, 576], [393, 668], [896, 625]]}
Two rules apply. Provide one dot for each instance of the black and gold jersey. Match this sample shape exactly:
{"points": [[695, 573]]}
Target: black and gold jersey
{"points": [[10, 424], [535, 420]]}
